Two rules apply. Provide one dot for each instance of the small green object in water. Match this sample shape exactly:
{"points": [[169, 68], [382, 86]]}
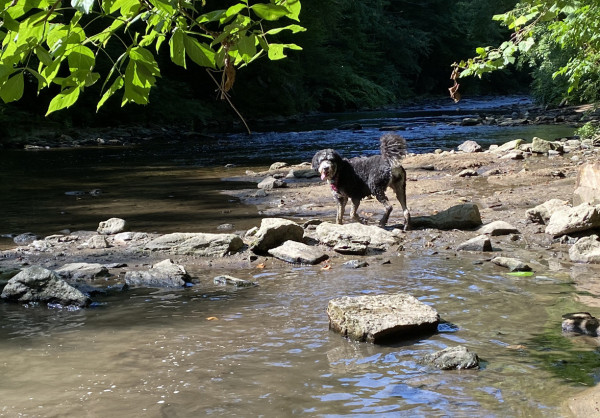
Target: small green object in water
{"points": [[521, 273]]}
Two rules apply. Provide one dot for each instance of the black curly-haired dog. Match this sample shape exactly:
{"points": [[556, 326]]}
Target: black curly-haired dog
{"points": [[360, 177]]}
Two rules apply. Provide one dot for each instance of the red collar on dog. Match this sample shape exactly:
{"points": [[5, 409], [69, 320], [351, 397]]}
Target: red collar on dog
{"points": [[333, 184]]}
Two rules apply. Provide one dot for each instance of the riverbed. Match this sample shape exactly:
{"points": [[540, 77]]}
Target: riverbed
{"points": [[267, 350]]}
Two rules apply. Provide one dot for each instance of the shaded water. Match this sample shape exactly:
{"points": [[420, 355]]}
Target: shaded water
{"points": [[267, 350]]}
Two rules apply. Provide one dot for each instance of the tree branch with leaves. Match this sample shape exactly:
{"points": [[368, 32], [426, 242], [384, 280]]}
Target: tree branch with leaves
{"points": [[59, 43]]}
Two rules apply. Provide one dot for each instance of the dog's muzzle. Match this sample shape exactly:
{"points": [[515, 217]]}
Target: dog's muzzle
{"points": [[327, 170]]}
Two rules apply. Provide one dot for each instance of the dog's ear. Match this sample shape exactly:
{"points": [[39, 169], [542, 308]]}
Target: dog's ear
{"points": [[316, 161]]}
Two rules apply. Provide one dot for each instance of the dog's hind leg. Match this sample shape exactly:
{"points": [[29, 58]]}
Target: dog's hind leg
{"points": [[354, 209], [398, 184], [382, 198], [341, 207]]}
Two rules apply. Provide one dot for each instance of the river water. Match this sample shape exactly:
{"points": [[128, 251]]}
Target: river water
{"points": [[267, 350]]}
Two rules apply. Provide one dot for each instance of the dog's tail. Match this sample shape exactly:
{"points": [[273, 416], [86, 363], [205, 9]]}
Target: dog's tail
{"points": [[393, 148]]}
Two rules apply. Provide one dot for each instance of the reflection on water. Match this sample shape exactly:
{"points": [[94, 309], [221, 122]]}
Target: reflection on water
{"points": [[267, 350]]}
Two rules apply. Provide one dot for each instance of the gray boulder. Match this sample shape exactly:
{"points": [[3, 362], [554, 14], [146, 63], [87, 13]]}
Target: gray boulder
{"points": [[541, 146], [163, 274], [338, 236], [579, 218], [587, 186], [200, 244], [452, 358], [25, 238], [541, 214], [465, 216], [509, 146], [37, 284], [511, 263], [497, 228], [381, 318], [298, 253], [479, 243], [586, 250], [112, 226], [273, 232], [82, 271], [470, 146]]}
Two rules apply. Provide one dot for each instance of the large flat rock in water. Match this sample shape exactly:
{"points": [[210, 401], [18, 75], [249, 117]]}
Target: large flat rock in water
{"points": [[381, 318]]}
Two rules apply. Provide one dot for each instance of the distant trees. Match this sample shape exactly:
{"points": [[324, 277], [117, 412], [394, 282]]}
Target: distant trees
{"points": [[558, 39]]}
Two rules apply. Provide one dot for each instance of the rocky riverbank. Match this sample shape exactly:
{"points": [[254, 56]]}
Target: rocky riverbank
{"points": [[516, 203]]}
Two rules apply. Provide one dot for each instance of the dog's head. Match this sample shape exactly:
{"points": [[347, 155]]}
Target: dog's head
{"points": [[326, 162]]}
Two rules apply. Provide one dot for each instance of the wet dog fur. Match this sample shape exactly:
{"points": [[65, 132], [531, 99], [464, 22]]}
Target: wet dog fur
{"points": [[356, 178]]}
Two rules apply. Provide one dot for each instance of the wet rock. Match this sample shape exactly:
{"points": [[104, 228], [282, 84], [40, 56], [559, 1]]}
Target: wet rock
{"points": [[130, 237], [37, 284], [579, 218], [97, 242], [381, 318], [200, 244], [470, 121], [541, 214], [355, 264], [511, 263], [278, 166], [112, 226], [273, 232], [468, 172], [298, 253], [352, 246], [303, 173], [497, 228], [82, 271], [479, 243], [163, 274], [470, 146], [333, 234], [271, 183], [25, 238], [581, 323], [509, 146], [586, 250], [541, 146], [465, 216], [452, 358], [587, 186], [225, 280]]}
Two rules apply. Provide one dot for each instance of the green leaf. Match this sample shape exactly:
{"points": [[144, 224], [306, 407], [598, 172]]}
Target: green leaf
{"points": [[269, 11], [43, 55], [177, 48], [81, 57], [64, 99], [294, 6], [116, 85], [276, 51], [293, 28], [201, 54], [231, 12], [12, 89], [521, 273], [247, 47], [84, 6]]}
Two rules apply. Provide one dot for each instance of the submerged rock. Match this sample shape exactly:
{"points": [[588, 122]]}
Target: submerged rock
{"points": [[452, 358], [511, 263], [225, 280], [381, 318], [37, 284]]}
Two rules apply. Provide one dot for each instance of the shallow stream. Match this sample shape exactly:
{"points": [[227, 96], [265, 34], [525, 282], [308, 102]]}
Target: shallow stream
{"points": [[267, 350]]}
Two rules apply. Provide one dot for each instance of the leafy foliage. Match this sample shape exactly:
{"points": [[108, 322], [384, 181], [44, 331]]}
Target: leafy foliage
{"points": [[558, 38], [62, 46]]}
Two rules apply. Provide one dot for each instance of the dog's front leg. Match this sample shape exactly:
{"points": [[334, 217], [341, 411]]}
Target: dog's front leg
{"points": [[341, 207], [354, 209]]}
